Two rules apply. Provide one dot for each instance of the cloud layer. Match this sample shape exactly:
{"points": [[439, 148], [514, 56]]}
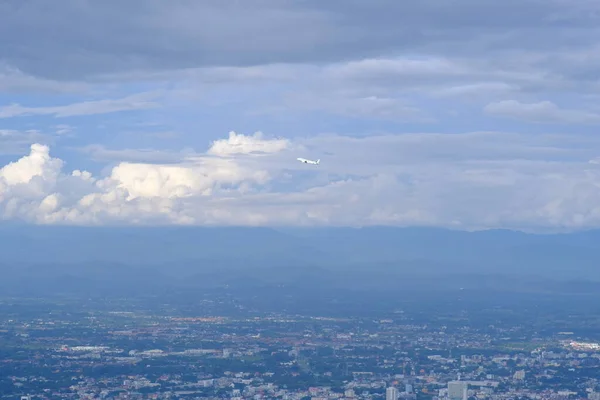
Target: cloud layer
{"points": [[411, 179], [151, 34]]}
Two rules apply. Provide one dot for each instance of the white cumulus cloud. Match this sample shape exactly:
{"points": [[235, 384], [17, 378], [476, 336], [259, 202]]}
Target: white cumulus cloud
{"points": [[37, 188], [470, 180], [241, 144]]}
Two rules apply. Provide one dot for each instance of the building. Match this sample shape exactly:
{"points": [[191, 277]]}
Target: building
{"points": [[457, 390], [519, 375], [391, 393]]}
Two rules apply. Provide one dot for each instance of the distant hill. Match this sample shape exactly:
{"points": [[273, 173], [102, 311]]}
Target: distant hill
{"points": [[325, 255]]}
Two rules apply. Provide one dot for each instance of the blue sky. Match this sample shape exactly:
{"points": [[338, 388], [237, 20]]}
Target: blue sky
{"points": [[475, 114]]}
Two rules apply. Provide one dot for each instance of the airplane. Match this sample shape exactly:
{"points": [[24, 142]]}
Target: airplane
{"points": [[305, 161]]}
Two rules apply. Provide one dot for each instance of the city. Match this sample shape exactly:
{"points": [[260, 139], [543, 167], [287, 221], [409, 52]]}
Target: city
{"points": [[141, 348]]}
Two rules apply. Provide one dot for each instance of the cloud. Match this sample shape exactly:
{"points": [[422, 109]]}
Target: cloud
{"points": [[133, 102], [12, 80], [101, 153], [117, 37], [36, 188], [409, 179], [63, 129], [240, 144], [13, 141], [344, 60], [542, 112], [351, 106], [398, 89], [37, 164]]}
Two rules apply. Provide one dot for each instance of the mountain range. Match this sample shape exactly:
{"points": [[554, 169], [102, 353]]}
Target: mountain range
{"points": [[191, 250]]}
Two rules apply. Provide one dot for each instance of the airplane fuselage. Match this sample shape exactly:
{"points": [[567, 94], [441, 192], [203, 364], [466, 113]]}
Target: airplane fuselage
{"points": [[305, 161]]}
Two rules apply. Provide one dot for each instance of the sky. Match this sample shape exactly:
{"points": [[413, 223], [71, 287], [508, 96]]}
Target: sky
{"points": [[468, 114]]}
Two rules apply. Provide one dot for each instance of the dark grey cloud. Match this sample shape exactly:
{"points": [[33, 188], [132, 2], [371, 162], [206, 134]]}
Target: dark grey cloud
{"points": [[74, 39]]}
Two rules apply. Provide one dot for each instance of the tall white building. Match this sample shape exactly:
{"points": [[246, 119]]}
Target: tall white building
{"points": [[391, 393], [457, 390]]}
